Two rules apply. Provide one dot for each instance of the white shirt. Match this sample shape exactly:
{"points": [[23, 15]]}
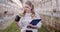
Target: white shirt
{"points": [[24, 21]]}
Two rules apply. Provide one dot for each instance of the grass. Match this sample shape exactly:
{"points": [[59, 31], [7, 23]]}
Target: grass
{"points": [[13, 28]]}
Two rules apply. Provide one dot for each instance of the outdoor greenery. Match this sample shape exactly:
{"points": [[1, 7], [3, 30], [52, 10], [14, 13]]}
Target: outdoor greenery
{"points": [[13, 28]]}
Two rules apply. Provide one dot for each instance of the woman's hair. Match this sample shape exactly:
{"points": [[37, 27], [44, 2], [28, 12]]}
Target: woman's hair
{"points": [[32, 8]]}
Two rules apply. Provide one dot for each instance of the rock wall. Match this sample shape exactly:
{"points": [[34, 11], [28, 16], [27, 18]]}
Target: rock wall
{"points": [[12, 9]]}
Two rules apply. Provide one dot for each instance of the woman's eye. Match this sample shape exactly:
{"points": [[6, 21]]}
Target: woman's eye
{"points": [[27, 7]]}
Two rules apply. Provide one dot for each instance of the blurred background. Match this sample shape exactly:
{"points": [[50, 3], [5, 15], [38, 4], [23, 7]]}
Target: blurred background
{"points": [[49, 11]]}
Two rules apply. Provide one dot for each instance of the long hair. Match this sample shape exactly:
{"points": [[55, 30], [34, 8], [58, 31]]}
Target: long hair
{"points": [[32, 10]]}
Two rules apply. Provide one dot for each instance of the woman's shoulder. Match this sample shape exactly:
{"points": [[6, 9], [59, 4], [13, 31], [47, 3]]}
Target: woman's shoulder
{"points": [[37, 16]]}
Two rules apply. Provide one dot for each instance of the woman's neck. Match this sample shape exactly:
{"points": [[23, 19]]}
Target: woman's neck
{"points": [[28, 11]]}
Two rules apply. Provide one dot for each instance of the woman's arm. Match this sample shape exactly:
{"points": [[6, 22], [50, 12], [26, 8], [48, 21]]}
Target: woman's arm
{"points": [[35, 26], [17, 24], [32, 26], [17, 20], [39, 24], [20, 24]]}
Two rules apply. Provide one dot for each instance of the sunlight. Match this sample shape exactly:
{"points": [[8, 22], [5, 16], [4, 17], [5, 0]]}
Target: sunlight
{"points": [[18, 3]]}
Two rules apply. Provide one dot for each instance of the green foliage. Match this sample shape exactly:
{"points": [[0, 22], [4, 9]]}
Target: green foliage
{"points": [[13, 28]]}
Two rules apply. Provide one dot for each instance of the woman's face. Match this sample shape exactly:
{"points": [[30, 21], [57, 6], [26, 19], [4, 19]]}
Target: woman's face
{"points": [[27, 8]]}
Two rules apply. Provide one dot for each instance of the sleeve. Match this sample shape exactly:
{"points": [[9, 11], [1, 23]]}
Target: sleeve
{"points": [[40, 23], [37, 16], [20, 23]]}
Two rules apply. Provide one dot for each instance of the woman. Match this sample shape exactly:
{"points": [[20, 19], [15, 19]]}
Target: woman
{"points": [[28, 16]]}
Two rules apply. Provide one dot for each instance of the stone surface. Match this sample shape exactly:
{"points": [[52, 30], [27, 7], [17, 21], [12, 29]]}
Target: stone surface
{"points": [[12, 10]]}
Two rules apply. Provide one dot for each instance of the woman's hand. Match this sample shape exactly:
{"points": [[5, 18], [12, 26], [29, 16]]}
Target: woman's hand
{"points": [[17, 24], [32, 26]]}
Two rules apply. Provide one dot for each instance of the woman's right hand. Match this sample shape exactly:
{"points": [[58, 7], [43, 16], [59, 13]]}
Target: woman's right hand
{"points": [[32, 26]]}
